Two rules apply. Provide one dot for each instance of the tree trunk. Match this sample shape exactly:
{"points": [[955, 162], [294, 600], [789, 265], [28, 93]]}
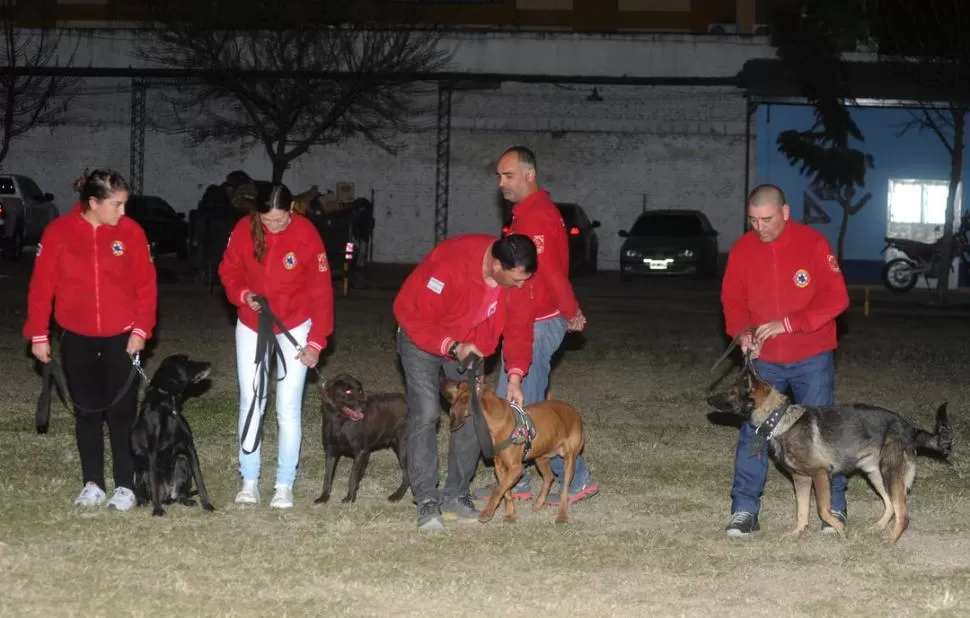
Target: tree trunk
{"points": [[956, 172], [279, 168], [840, 248]]}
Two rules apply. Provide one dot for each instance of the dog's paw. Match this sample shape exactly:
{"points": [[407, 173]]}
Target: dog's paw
{"points": [[347, 499], [510, 519], [158, 512], [562, 519], [208, 507], [187, 502], [323, 499]]}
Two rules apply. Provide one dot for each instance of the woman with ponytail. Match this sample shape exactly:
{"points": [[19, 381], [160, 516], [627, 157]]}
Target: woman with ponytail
{"points": [[276, 255]]}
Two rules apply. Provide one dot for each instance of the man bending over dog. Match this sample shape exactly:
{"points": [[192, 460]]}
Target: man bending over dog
{"points": [[554, 304], [454, 303], [782, 280]]}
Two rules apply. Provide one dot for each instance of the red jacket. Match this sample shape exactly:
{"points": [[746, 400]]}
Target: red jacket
{"points": [[294, 277], [796, 279], [552, 293], [445, 299], [101, 280]]}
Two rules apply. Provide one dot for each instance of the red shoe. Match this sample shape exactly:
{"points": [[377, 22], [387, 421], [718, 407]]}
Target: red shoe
{"points": [[591, 488]]}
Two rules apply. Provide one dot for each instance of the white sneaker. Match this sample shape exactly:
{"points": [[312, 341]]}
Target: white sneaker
{"points": [[249, 494], [283, 498], [122, 500], [91, 495]]}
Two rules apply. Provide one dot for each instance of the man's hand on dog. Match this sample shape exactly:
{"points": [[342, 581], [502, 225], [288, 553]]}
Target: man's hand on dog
{"points": [[515, 390], [42, 352], [308, 356]]}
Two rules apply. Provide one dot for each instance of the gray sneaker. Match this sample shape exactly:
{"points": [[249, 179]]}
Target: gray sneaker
{"points": [[839, 515], [429, 517], [521, 491], [459, 509]]}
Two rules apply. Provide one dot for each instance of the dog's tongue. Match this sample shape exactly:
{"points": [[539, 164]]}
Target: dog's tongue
{"points": [[353, 414]]}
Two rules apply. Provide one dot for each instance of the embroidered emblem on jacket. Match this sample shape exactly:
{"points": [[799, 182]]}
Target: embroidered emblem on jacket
{"points": [[802, 278], [322, 264], [540, 242], [289, 261], [436, 285], [118, 248]]}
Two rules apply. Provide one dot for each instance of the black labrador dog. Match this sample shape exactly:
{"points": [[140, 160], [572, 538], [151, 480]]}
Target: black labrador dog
{"points": [[161, 440], [355, 426]]}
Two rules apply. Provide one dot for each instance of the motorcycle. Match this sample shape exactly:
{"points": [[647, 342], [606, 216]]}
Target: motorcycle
{"points": [[922, 259]]}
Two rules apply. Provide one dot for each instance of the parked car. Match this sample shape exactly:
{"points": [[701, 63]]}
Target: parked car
{"points": [[25, 211], [166, 229], [669, 242], [584, 243]]}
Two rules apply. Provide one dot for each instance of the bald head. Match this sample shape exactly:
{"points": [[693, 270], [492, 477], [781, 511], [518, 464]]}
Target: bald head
{"points": [[516, 173], [767, 212]]}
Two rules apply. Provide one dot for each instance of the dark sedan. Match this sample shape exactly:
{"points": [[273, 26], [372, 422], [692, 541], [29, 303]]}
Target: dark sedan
{"points": [[166, 229], [669, 242]]}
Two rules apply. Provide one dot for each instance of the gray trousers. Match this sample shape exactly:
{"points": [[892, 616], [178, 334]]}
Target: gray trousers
{"points": [[421, 373]]}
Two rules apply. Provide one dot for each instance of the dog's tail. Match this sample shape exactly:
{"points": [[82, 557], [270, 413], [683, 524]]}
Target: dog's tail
{"points": [[939, 442]]}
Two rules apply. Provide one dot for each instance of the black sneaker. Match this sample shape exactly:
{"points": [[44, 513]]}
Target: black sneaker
{"points": [[459, 509], [742, 524], [840, 515], [429, 517]]}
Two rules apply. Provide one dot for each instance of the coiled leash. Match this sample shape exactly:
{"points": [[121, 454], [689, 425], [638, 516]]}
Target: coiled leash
{"points": [[748, 361], [267, 349], [473, 366], [52, 377]]}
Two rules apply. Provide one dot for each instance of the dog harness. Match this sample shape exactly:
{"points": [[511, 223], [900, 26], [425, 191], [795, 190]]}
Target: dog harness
{"points": [[524, 432]]}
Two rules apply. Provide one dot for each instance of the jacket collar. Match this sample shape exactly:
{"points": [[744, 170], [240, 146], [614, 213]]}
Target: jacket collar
{"points": [[540, 195]]}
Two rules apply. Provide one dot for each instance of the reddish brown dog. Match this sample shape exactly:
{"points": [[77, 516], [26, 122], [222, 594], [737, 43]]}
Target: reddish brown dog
{"points": [[559, 433]]}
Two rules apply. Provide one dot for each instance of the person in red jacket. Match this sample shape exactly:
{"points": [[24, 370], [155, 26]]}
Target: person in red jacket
{"points": [[783, 280], [95, 267], [278, 255], [454, 303], [554, 303]]}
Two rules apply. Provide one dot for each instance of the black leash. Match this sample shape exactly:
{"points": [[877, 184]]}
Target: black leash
{"points": [[748, 361], [473, 366], [267, 349], [52, 377]]}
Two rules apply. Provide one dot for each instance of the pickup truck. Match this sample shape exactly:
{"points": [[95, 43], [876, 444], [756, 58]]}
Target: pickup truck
{"points": [[24, 213]]}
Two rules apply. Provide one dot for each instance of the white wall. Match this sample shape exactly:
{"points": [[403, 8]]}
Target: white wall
{"points": [[679, 147]]}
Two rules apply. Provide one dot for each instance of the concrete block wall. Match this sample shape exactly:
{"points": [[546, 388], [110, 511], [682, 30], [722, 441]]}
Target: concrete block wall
{"points": [[674, 147]]}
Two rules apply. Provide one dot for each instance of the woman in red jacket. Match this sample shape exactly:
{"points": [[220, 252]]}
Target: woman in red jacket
{"points": [[278, 255], [94, 266]]}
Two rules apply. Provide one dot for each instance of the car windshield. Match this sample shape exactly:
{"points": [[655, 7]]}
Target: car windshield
{"points": [[667, 225]]}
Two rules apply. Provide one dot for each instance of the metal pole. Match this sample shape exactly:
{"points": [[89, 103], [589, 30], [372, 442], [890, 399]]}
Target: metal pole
{"points": [[443, 164], [749, 108], [137, 154]]}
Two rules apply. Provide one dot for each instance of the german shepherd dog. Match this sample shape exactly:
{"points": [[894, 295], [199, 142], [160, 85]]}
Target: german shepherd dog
{"points": [[161, 440], [813, 443]]}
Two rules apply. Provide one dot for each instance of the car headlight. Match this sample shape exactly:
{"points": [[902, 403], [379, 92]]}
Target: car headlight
{"points": [[632, 253], [687, 253]]}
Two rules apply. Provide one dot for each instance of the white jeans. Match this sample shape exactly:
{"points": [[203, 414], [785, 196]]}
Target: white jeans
{"points": [[289, 403]]}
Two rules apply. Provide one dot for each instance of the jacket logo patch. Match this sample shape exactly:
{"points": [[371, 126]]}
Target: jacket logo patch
{"points": [[436, 285], [802, 278], [833, 263], [492, 308], [322, 265], [540, 242], [289, 261], [118, 248]]}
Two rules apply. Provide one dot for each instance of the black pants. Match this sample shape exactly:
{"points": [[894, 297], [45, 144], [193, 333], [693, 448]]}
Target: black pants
{"points": [[96, 369], [422, 372]]}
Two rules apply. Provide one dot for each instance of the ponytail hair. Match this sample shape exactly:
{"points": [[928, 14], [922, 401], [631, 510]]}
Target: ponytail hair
{"points": [[268, 197]]}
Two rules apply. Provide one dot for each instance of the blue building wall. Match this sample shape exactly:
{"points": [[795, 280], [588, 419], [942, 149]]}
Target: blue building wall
{"points": [[916, 154]]}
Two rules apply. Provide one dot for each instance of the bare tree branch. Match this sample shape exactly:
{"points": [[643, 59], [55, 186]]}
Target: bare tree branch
{"points": [[29, 101], [288, 116]]}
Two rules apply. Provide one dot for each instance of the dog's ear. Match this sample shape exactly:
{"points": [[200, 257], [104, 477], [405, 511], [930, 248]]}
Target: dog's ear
{"points": [[458, 415], [450, 388]]}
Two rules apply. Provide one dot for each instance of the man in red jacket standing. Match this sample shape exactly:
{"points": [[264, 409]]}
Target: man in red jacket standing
{"points": [[455, 303], [783, 280], [555, 309]]}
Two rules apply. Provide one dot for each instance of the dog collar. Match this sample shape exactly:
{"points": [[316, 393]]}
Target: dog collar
{"points": [[524, 431], [767, 428]]}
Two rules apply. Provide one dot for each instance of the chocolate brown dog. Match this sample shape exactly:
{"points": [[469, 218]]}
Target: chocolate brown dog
{"points": [[355, 426], [558, 433]]}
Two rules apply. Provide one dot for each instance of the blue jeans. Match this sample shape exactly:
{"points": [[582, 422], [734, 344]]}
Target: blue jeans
{"points": [[289, 403], [548, 336], [812, 383]]}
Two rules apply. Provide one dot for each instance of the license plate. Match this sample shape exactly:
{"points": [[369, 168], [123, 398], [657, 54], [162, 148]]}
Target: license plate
{"points": [[657, 264]]}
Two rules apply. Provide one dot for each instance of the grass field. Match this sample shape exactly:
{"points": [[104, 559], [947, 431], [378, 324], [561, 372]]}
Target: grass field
{"points": [[650, 544]]}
